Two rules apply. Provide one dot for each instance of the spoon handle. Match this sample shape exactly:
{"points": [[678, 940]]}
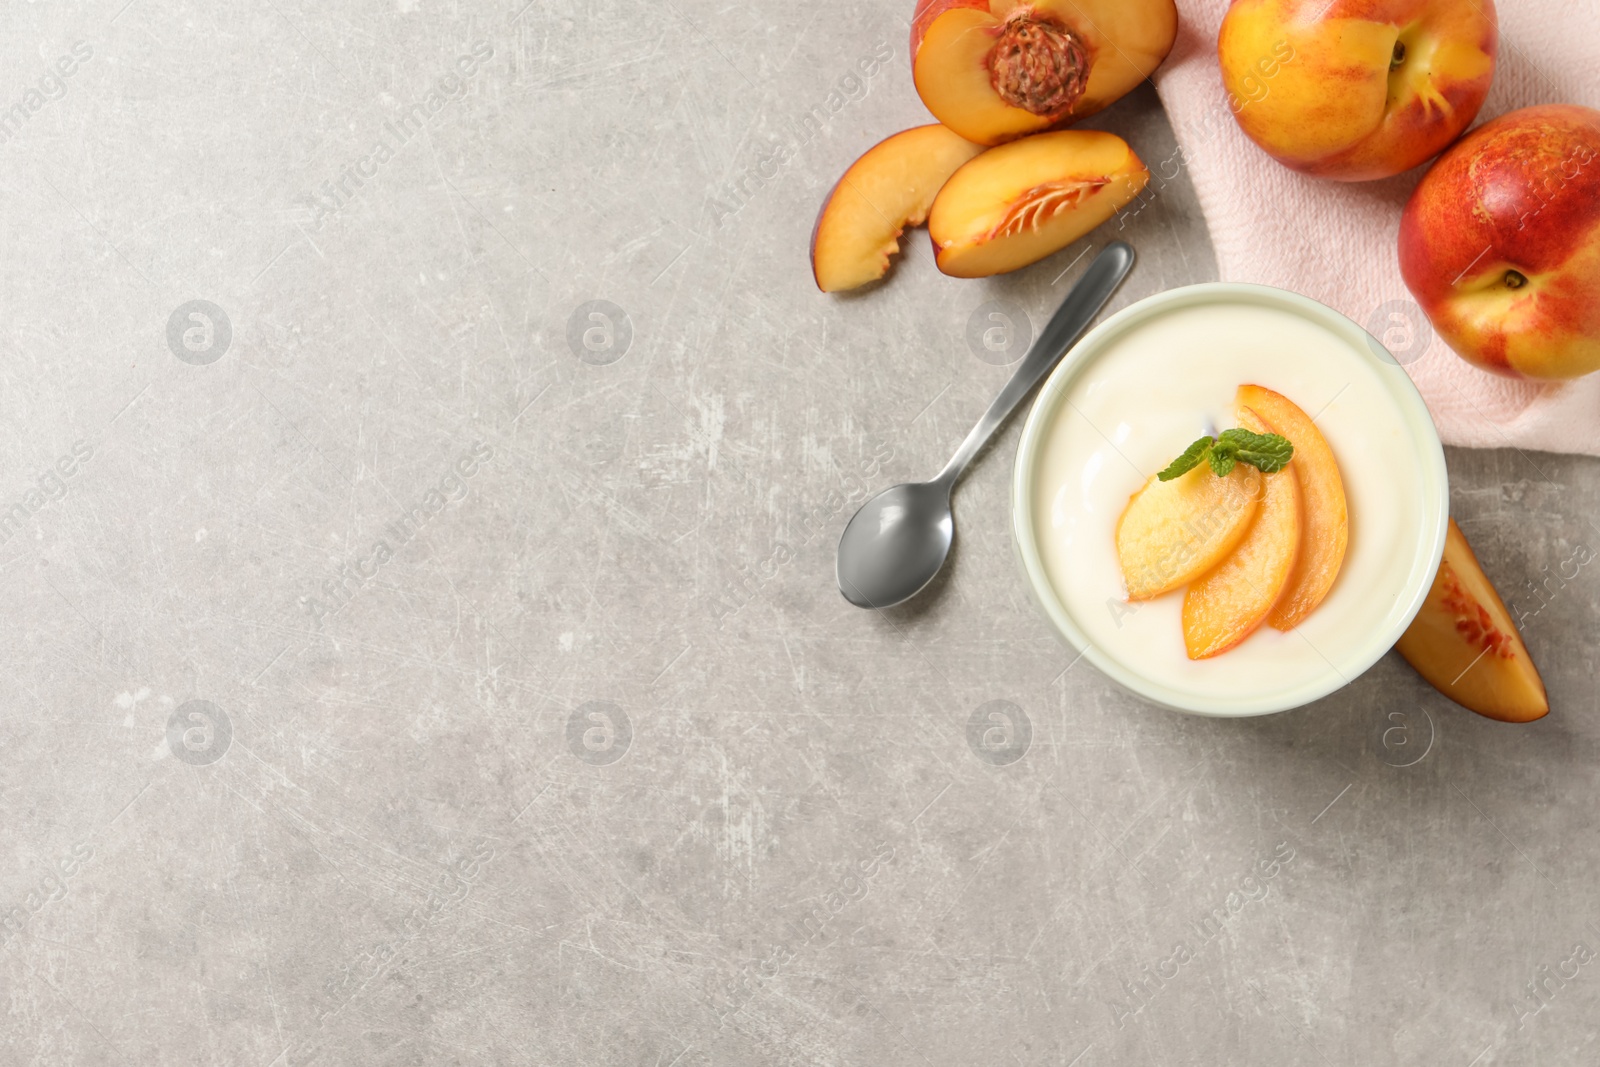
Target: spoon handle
{"points": [[1082, 303]]}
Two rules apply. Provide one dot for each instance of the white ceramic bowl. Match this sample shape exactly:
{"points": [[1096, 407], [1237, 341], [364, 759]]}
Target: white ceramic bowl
{"points": [[1365, 621]]}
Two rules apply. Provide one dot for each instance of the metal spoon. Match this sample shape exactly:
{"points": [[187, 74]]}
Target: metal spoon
{"points": [[900, 538]]}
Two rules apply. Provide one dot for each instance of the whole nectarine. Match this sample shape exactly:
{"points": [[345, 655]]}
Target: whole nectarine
{"points": [[1500, 243], [994, 70], [1357, 89]]}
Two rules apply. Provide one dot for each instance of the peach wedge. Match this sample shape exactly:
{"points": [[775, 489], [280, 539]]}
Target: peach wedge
{"points": [[1464, 643], [1018, 203], [1326, 532], [994, 70], [1172, 532], [1227, 605], [888, 189]]}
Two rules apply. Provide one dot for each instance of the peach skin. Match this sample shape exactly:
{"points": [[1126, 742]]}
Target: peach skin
{"points": [[1360, 89], [1500, 243]]}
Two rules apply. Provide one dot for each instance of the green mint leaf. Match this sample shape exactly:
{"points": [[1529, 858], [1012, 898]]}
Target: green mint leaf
{"points": [[1266, 452], [1188, 461]]}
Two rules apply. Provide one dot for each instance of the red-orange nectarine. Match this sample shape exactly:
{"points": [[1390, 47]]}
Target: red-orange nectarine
{"points": [[1370, 88], [1500, 243]]}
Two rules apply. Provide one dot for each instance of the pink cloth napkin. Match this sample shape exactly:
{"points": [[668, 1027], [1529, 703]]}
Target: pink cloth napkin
{"points": [[1335, 241]]}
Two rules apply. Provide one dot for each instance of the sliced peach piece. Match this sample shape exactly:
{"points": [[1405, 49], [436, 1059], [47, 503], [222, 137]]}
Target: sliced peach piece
{"points": [[1326, 531], [1464, 643], [1018, 203], [994, 70], [1228, 604], [1172, 532], [888, 189]]}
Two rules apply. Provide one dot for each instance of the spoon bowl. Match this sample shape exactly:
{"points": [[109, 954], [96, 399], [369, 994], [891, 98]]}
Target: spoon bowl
{"points": [[895, 544]]}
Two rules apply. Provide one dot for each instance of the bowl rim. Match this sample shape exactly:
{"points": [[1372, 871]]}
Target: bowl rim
{"points": [[1414, 412]]}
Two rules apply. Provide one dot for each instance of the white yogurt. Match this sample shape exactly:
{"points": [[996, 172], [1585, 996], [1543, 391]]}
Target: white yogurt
{"points": [[1150, 391]]}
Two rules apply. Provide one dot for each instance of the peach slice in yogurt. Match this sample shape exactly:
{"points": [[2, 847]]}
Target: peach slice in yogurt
{"points": [[1228, 604], [1174, 531]]}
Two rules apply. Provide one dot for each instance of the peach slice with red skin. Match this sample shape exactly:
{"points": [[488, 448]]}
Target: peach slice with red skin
{"points": [[1228, 604], [995, 70], [1465, 645], [1172, 532], [1016, 204], [888, 189], [1326, 532]]}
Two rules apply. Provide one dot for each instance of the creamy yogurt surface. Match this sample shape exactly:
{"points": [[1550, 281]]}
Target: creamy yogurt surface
{"points": [[1148, 393]]}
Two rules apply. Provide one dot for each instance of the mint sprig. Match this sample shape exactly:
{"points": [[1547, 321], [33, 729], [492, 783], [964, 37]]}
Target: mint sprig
{"points": [[1266, 452]]}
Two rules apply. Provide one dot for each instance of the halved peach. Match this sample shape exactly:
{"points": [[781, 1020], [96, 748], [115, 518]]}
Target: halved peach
{"points": [[994, 70], [1228, 604], [1326, 531], [888, 189], [1172, 532], [1464, 642], [1018, 203]]}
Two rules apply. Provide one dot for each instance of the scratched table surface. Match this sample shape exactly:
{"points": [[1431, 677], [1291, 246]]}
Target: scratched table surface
{"points": [[425, 450]]}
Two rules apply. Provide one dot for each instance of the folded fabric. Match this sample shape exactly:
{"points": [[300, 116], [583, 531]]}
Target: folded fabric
{"points": [[1336, 241]]}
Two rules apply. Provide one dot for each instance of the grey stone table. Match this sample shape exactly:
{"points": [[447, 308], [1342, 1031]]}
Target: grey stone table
{"points": [[425, 450]]}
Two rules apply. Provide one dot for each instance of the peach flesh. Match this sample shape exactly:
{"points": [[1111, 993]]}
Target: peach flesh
{"points": [[1465, 645], [1227, 605], [887, 190], [1326, 512], [1015, 204], [1175, 531], [996, 70]]}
